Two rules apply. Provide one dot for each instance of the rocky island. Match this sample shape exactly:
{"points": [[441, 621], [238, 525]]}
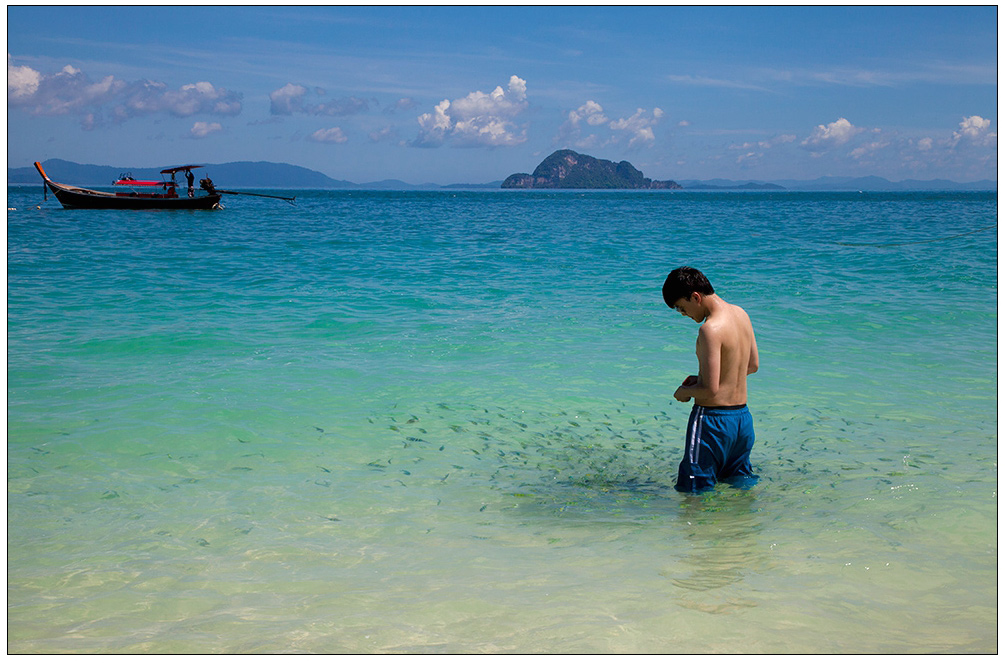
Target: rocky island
{"points": [[566, 169]]}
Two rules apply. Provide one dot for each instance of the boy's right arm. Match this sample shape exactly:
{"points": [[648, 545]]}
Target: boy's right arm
{"points": [[754, 362]]}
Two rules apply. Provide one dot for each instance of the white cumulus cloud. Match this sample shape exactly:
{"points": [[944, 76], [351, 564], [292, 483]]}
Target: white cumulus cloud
{"points": [[976, 129], [571, 132], [203, 129], [836, 133], [201, 97], [639, 127], [333, 135], [868, 149], [764, 144], [287, 99], [22, 82], [591, 117], [591, 112], [974, 126], [71, 90], [479, 119], [293, 98]]}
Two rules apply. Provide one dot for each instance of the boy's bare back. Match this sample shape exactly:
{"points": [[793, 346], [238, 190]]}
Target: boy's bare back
{"points": [[726, 349], [727, 353]]}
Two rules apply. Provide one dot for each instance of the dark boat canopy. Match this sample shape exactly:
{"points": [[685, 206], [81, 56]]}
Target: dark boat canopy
{"points": [[172, 171]]}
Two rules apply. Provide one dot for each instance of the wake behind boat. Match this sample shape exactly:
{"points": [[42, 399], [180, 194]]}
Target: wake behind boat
{"points": [[146, 194]]}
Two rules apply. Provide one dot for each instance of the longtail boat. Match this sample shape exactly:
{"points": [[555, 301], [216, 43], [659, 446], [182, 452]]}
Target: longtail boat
{"points": [[140, 194], [144, 194]]}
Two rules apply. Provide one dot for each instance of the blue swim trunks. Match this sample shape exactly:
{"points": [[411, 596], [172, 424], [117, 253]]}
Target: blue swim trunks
{"points": [[717, 447]]}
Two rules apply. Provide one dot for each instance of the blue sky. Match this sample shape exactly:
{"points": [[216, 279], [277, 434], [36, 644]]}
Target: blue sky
{"points": [[473, 94]]}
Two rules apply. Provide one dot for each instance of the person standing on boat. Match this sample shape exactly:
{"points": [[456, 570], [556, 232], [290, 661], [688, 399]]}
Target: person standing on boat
{"points": [[191, 183]]}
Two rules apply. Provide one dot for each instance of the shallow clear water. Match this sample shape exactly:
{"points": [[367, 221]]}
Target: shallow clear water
{"points": [[443, 422]]}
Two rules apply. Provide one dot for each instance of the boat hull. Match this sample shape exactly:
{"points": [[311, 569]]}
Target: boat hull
{"points": [[74, 198]]}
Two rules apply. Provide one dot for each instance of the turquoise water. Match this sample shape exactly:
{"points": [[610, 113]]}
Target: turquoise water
{"points": [[442, 422]]}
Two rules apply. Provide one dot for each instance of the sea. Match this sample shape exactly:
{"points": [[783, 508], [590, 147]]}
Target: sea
{"points": [[442, 422]]}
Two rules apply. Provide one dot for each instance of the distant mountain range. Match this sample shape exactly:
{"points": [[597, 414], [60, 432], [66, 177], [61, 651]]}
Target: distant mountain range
{"points": [[249, 174], [841, 184], [265, 174]]}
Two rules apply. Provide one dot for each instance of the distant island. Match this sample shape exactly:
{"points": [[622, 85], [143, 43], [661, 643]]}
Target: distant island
{"points": [[270, 175], [566, 169], [747, 186]]}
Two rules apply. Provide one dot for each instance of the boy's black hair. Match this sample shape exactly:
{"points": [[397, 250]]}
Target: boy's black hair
{"points": [[682, 282]]}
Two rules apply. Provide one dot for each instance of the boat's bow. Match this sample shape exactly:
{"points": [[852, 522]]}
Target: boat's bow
{"points": [[41, 172]]}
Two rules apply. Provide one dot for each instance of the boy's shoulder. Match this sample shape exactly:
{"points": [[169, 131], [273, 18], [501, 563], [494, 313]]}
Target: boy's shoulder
{"points": [[728, 317]]}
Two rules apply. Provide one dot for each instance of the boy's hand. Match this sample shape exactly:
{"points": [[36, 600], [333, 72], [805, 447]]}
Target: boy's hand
{"points": [[689, 381]]}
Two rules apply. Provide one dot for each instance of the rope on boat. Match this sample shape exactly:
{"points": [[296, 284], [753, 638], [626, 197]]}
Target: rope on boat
{"points": [[920, 241]]}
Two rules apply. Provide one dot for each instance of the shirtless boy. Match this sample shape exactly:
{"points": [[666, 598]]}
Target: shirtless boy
{"points": [[720, 431]]}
